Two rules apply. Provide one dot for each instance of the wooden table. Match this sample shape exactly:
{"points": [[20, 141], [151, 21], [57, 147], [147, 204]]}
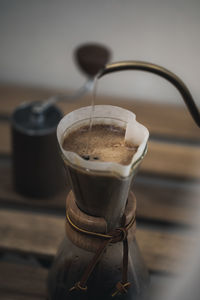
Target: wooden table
{"points": [[167, 191]]}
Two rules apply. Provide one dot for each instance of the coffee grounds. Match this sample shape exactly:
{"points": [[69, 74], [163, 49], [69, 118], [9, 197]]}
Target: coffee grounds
{"points": [[104, 143]]}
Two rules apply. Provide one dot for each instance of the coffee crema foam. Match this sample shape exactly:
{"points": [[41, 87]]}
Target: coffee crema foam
{"points": [[105, 143]]}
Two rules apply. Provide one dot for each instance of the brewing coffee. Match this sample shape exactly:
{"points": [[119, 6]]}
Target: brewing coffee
{"points": [[102, 143], [100, 189]]}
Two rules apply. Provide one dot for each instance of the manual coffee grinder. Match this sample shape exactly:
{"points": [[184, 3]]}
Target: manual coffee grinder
{"points": [[99, 257]]}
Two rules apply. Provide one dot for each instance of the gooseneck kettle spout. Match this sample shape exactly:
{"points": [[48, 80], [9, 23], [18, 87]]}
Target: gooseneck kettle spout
{"points": [[152, 68]]}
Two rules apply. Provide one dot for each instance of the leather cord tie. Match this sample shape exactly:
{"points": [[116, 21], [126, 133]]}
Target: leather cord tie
{"points": [[117, 235]]}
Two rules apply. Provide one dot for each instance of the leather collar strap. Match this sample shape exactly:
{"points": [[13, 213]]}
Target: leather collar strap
{"points": [[117, 235]]}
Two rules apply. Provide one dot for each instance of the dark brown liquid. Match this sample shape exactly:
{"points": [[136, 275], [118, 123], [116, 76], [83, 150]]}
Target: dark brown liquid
{"points": [[106, 144]]}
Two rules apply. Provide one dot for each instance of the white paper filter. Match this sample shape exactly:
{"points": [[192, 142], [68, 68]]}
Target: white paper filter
{"points": [[104, 114]]}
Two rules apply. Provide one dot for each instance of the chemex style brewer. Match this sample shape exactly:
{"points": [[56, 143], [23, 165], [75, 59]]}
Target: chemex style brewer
{"points": [[99, 257]]}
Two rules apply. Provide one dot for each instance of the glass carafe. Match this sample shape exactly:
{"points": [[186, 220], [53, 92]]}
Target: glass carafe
{"points": [[100, 190]]}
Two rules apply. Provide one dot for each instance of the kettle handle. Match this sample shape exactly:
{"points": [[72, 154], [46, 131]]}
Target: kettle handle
{"points": [[152, 68]]}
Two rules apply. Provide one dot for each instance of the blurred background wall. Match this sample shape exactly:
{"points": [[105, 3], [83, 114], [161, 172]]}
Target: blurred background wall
{"points": [[38, 37]]}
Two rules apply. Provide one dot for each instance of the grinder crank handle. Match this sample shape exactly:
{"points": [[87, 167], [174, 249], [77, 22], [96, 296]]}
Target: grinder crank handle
{"points": [[152, 68], [90, 58]]}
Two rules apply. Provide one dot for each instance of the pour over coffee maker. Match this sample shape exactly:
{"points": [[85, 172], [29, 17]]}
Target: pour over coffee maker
{"points": [[99, 257], [94, 261]]}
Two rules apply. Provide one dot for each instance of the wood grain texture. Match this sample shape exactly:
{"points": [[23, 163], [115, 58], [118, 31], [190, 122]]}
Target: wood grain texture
{"points": [[165, 252], [5, 136], [160, 119], [21, 282], [41, 234], [167, 159], [30, 233], [167, 201], [160, 200]]}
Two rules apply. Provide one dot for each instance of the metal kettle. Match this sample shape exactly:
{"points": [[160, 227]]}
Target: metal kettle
{"points": [[158, 70]]}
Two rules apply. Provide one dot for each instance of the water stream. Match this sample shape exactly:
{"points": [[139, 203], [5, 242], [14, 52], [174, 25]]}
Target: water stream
{"points": [[94, 93]]}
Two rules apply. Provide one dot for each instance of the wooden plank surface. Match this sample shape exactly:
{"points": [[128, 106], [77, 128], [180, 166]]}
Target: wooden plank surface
{"points": [[25, 282], [5, 143], [161, 119], [160, 200], [21, 282], [154, 202], [41, 234], [166, 199], [167, 159]]}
